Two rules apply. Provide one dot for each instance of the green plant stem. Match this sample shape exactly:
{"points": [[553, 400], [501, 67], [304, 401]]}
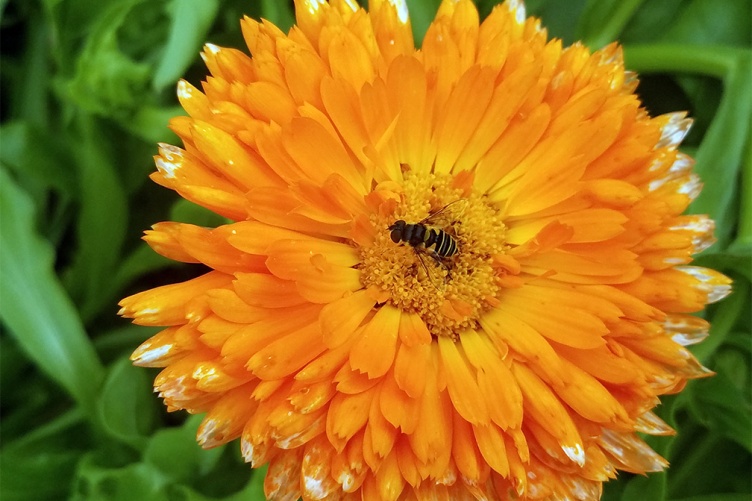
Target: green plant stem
{"points": [[32, 102], [614, 25], [703, 446], [59, 424], [704, 60], [744, 233]]}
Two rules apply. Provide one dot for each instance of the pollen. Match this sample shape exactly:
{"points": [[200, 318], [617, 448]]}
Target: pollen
{"points": [[448, 293]]}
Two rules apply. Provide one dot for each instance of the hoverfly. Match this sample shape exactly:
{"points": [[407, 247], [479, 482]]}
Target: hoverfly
{"points": [[437, 243]]}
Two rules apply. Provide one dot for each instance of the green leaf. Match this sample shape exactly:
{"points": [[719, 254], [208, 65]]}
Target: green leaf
{"points": [[184, 211], [48, 167], [725, 316], [150, 123], [135, 481], [40, 464], [709, 465], [190, 22], [27, 399], [176, 453], [743, 243], [421, 16], [44, 475], [278, 13], [721, 22], [720, 405], [141, 261], [652, 487], [253, 491], [202, 474], [255, 488], [34, 305], [720, 154], [559, 18], [649, 21], [603, 21], [126, 406], [29, 84], [101, 225], [107, 81], [729, 496]]}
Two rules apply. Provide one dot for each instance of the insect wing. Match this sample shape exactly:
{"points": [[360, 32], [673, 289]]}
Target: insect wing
{"points": [[448, 214], [430, 275]]}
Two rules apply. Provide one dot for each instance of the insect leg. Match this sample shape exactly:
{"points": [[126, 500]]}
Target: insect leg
{"points": [[430, 275]]}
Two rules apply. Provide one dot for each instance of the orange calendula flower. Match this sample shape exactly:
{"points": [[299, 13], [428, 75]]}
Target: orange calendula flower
{"points": [[451, 273]]}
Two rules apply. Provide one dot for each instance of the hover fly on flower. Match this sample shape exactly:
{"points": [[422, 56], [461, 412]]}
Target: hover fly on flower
{"points": [[427, 236]]}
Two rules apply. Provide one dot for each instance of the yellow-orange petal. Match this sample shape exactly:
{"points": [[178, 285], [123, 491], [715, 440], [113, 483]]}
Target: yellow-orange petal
{"points": [[316, 480], [267, 291], [505, 329], [346, 416], [497, 386], [288, 354], [491, 444], [340, 319], [399, 407], [159, 350], [410, 367], [549, 413], [462, 384], [373, 354], [430, 442], [166, 305], [281, 481], [226, 419]]}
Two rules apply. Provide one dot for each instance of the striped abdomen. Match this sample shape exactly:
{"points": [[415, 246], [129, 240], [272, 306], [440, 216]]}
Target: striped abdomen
{"points": [[438, 243]]}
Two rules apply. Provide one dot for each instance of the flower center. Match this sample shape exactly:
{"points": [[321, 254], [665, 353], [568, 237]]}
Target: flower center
{"points": [[433, 254]]}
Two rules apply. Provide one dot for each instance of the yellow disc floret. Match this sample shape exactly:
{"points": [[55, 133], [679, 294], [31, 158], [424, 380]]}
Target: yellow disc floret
{"points": [[448, 292]]}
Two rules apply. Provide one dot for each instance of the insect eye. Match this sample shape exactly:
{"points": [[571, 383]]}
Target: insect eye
{"points": [[395, 235]]}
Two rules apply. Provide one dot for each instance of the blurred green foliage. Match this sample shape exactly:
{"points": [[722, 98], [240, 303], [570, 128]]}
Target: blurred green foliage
{"points": [[87, 88]]}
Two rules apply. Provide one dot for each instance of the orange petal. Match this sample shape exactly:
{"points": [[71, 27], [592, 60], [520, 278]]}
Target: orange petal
{"points": [[226, 419], [399, 408], [228, 156], [389, 480], [495, 381], [462, 384], [491, 444], [410, 368], [465, 452], [166, 305], [590, 399], [543, 406], [373, 354], [315, 473], [267, 291], [340, 319], [347, 414], [413, 330], [282, 479], [287, 354], [431, 441], [504, 328]]}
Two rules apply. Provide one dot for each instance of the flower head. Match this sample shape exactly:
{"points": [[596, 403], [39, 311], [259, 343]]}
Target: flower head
{"points": [[507, 339]]}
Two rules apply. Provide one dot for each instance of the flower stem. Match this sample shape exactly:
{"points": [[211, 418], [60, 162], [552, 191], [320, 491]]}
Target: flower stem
{"points": [[613, 24], [704, 60], [744, 231]]}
